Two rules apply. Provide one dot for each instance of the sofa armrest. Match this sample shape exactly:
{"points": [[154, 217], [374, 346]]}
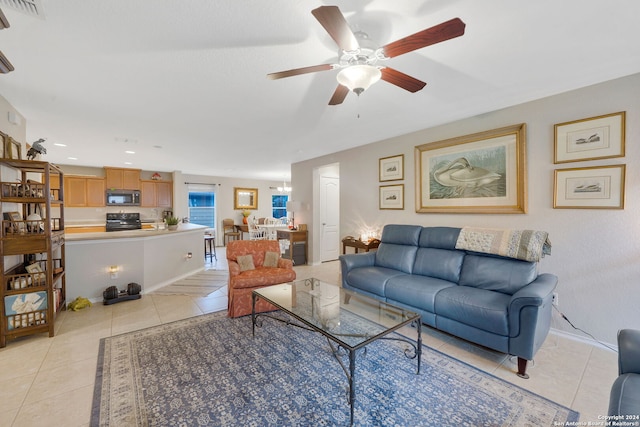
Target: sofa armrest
{"points": [[629, 351], [285, 263], [234, 268], [350, 261], [535, 293], [530, 316]]}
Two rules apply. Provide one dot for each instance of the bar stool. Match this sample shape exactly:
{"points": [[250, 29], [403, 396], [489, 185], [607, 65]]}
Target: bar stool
{"points": [[210, 246]]}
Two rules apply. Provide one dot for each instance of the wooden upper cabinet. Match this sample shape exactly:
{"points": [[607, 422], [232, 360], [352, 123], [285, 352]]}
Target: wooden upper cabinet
{"points": [[122, 179], [164, 192], [148, 194], [156, 194], [95, 192], [83, 191], [75, 189]]}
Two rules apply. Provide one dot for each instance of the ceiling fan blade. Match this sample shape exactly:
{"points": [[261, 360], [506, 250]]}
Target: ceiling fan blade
{"points": [[334, 23], [298, 71], [402, 80], [339, 95], [439, 33]]}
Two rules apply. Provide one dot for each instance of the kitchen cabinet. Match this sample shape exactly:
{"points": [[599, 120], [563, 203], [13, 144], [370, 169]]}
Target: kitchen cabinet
{"points": [[84, 191], [33, 290], [156, 194], [122, 179]]}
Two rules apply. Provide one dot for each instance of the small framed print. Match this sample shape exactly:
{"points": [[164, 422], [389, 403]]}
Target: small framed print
{"points": [[16, 225], [600, 187], [391, 168], [392, 196], [600, 137]]}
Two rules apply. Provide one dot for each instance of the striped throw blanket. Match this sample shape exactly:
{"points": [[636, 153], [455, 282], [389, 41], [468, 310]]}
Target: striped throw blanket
{"points": [[528, 245]]}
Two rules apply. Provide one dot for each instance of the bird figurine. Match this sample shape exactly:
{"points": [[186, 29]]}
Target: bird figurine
{"points": [[36, 148]]}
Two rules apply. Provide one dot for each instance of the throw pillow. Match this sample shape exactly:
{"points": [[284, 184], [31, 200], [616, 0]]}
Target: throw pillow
{"points": [[271, 259], [245, 262]]}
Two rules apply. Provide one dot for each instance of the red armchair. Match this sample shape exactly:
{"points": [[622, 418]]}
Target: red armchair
{"points": [[244, 280]]}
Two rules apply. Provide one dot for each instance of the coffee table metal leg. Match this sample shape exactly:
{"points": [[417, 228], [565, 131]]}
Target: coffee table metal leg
{"points": [[253, 314], [419, 349], [352, 382]]}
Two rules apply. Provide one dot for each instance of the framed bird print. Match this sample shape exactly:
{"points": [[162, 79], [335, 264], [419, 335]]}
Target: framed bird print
{"points": [[479, 173]]}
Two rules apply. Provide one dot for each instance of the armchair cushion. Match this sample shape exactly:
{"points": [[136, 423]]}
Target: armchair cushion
{"points": [[271, 259], [246, 263]]}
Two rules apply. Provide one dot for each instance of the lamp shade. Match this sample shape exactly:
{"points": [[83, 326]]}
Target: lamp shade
{"points": [[358, 78], [293, 206]]}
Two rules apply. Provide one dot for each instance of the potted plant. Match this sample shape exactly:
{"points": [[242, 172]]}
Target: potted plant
{"points": [[172, 223]]}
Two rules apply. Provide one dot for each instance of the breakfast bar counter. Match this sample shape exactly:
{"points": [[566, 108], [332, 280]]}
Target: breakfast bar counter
{"points": [[151, 258]]}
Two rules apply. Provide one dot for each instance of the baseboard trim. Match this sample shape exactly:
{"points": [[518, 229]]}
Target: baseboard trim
{"points": [[583, 339]]}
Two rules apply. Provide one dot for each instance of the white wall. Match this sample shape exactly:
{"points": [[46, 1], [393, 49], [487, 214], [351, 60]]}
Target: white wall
{"points": [[224, 197], [596, 253]]}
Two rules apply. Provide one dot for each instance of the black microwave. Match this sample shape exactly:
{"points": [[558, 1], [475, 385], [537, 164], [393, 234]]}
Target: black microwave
{"points": [[123, 198]]}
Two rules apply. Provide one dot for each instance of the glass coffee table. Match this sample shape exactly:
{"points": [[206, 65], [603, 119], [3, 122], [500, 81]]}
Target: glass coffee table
{"points": [[349, 320]]}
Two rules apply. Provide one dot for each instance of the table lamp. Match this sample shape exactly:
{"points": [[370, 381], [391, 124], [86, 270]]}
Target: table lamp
{"points": [[293, 206]]}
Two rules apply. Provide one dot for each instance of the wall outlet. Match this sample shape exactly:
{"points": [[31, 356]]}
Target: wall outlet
{"points": [[554, 299]]}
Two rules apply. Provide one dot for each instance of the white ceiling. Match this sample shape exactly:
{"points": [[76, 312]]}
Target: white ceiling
{"points": [[183, 82]]}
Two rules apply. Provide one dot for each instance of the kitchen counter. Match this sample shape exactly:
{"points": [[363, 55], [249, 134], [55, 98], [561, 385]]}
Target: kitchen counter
{"points": [[150, 258], [130, 234]]}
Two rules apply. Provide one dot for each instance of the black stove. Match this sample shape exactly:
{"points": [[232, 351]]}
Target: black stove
{"points": [[123, 221]]}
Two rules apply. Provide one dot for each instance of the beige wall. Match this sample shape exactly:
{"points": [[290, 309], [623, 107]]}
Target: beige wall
{"points": [[596, 253]]}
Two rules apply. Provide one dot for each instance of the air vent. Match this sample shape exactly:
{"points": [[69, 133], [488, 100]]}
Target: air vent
{"points": [[30, 7]]}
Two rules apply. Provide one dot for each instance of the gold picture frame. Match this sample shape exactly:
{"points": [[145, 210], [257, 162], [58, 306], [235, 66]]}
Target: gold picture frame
{"points": [[392, 196], [391, 168], [598, 187], [600, 137], [483, 172], [245, 198]]}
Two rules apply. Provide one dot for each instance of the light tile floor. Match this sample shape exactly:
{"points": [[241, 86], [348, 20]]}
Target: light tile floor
{"points": [[49, 381]]}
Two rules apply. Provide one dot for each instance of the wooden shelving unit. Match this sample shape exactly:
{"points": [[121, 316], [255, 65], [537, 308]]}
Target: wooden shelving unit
{"points": [[32, 249]]}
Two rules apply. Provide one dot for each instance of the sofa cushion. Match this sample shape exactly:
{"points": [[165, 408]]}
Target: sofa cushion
{"points": [[415, 291], [371, 279], [479, 308], [440, 263], [271, 259], [263, 276], [401, 234], [439, 237], [396, 257], [497, 274]]}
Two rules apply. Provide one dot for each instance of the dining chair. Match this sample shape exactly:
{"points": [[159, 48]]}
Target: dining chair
{"points": [[255, 233], [229, 230], [271, 228]]}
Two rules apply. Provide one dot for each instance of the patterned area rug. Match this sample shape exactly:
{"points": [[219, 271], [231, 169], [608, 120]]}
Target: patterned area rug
{"points": [[208, 370], [199, 284]]}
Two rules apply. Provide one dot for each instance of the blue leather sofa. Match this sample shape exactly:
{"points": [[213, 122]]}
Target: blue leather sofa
{"points": [[500, 303], [625, 392]]}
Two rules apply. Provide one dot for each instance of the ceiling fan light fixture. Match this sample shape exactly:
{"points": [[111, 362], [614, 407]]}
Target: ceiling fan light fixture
{"points": [[358, 78]]}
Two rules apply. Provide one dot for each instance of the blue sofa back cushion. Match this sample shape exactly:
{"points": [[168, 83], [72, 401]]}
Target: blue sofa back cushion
{"points": [[398, 257], [398, 247], [401, 234], [439, 237], [497, 274], [439, 263]]}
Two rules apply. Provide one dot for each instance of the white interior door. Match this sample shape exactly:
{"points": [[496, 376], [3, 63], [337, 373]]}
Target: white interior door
{"points": [[329, 218]]}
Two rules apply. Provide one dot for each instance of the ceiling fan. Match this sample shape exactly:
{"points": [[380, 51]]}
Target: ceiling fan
{"points": [[358, 55]]}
